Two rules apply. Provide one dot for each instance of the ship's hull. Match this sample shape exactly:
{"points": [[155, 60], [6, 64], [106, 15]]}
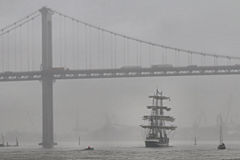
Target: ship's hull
{"points": [[155, 144], [222, 146]]}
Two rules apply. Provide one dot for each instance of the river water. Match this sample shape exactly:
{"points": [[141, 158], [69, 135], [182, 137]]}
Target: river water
{"points": [[123, 151]]}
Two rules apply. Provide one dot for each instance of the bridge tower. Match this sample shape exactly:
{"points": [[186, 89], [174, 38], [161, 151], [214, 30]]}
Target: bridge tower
{"points": [[47, 79]]}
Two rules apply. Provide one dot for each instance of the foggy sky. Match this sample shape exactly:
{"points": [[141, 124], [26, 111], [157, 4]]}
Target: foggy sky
{"points": [[211, 26]]}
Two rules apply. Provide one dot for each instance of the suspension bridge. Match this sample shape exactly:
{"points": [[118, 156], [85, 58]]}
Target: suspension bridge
{"points": [[47, 45]]}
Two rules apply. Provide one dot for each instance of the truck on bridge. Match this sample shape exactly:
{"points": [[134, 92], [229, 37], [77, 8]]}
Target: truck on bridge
{"points": [[161, 66]]}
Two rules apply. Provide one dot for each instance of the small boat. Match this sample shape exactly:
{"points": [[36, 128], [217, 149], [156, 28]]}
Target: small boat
{"points": [[221, 146], [88, 148], [17, 143], [14, 145], [3, 143], [7, 144]]}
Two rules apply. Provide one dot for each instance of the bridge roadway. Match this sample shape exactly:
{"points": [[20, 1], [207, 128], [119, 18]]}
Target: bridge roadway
{"points": [[121, 72]]}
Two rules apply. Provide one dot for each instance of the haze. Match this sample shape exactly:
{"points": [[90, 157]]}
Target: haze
{"points": [[210, 26]]}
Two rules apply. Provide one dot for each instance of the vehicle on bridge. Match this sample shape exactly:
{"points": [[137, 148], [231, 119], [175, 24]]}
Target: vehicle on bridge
{"points": [[192, 66], [161, 66], [59, 69], [130, 67], [8, 73]]}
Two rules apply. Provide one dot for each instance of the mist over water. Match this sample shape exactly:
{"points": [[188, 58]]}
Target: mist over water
{"points": [[193, 98], [125, 150]]}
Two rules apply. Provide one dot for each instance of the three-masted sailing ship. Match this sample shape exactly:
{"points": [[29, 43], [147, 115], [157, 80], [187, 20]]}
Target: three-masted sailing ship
{"points": [[157, 135]]}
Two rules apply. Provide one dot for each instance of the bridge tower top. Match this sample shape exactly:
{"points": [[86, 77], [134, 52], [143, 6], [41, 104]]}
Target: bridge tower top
{"points": [[46, 38]]}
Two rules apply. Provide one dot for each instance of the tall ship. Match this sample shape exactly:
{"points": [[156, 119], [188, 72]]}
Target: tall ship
{"points": [[157, 128]]}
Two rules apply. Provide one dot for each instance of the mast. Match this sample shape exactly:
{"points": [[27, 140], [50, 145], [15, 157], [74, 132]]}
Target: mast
{"points": [[221, 145], [3, 140], [157, 127], [195, 140], [17, 143], [220, 130]]}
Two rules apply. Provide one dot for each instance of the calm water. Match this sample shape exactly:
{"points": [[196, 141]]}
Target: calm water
{"points": [[123, 151]]}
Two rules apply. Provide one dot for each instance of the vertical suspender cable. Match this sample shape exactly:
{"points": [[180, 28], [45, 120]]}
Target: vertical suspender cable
{"points": [[77, 46], [86, 47], [103, 49], [115, 51], [127, 53], [30, 45], [27, 46], [20, 48], [73, 59], [176, 57], [215, 60], [33, 45], [62, 33], [140, 53], [149, 55], [60, 41], [15, 50], [99, 49], [203, 59], [89, 48], [124, 51], [111, 51], [228, 61], [153, 55], [29, 41], [64, 41], [163, 56], [8, 52], [190, 59], [10, 65], [166, 56], [2, 52]]}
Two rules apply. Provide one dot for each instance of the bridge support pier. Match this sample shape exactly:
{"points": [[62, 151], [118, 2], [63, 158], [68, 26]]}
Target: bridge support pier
{"points": [[47, 112], [47, 79]]}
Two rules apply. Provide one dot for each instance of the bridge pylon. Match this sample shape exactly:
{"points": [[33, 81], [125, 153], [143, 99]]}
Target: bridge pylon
{"points": [[47, 79]]}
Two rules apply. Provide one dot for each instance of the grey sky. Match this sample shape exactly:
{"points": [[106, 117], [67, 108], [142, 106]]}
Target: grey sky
{"points": [[211, 26]]}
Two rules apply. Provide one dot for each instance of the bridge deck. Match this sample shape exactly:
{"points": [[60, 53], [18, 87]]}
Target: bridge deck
{"points": [[122, 72]]}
